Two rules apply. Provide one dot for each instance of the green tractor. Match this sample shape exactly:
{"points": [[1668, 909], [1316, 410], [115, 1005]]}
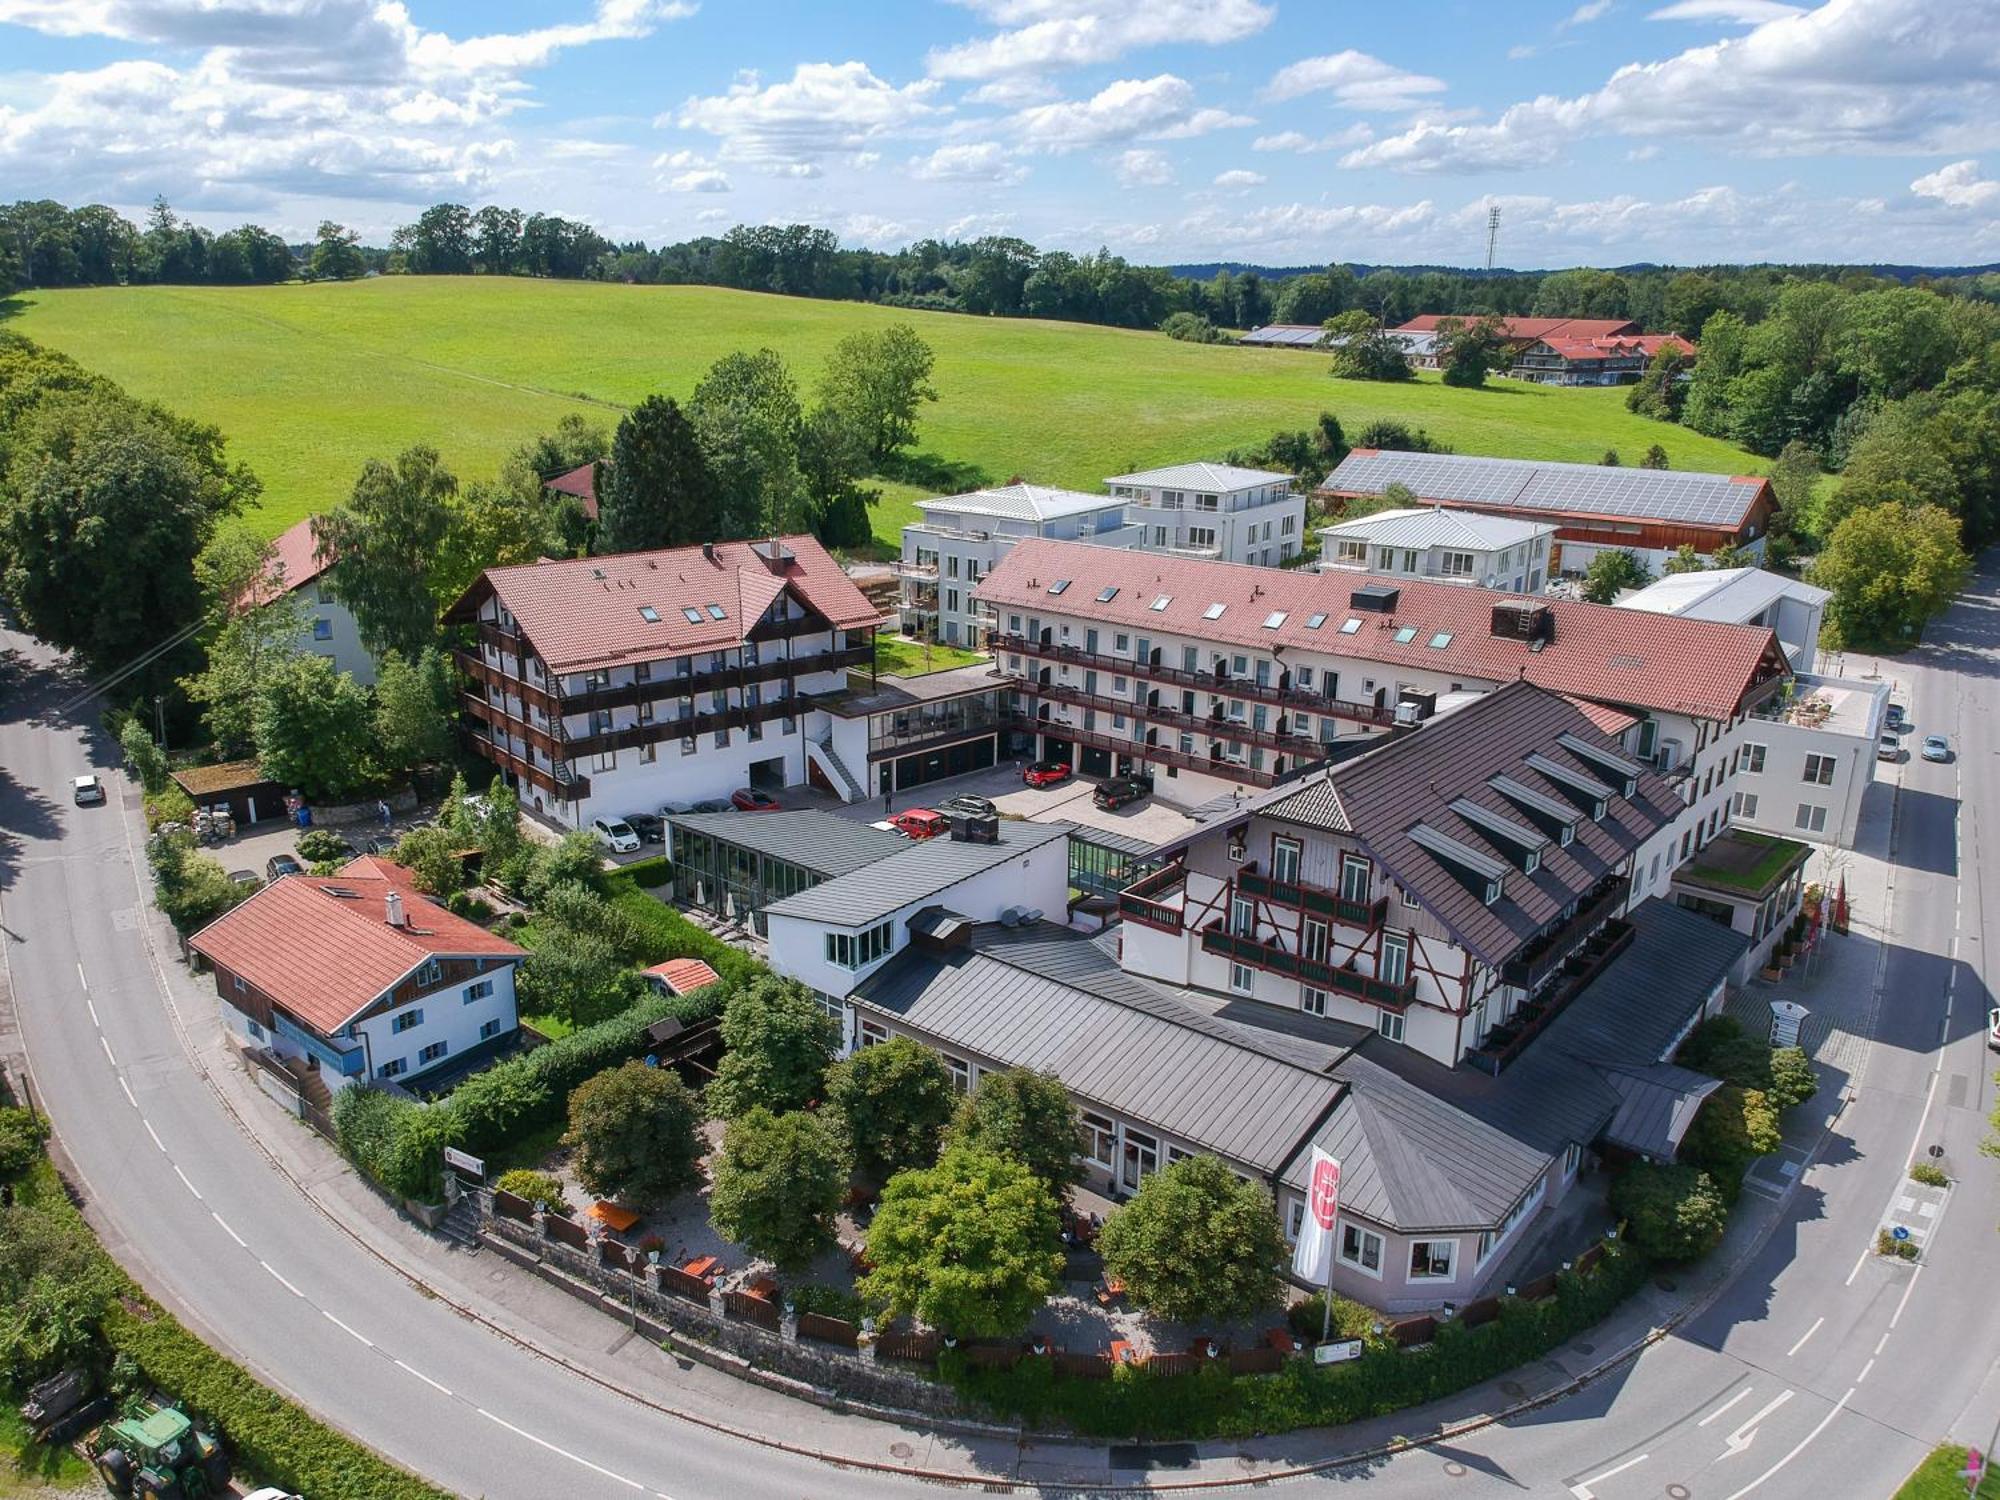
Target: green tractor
{"points": [[153, 1451]]}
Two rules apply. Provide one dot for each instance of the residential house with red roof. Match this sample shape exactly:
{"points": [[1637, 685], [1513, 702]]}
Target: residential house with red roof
{"points": [[360, 976], [601, 686], [330, 628], [1560, 351]]}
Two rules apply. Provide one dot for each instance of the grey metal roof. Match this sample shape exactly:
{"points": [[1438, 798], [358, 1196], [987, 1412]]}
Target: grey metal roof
{"points": [[1021, 502], [1285, 335], [1214, 478], [915, 872], [1655, 1107], [1529, 484], [812, 839], [1435, 526]]}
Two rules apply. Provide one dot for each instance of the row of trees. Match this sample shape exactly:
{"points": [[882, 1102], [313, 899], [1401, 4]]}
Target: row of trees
{"points": [[44, 244]]}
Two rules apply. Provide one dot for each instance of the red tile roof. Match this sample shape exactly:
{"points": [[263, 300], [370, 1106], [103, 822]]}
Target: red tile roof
{"points": [[1598, 652], [1613, 721], [1531, 328], [322, 947], [295, 564], [580, 482], [683, 976], [582, 613], [1571, 346]]}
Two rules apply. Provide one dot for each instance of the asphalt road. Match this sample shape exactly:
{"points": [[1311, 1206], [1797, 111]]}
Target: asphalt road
{"points": [[1820, 1372]]}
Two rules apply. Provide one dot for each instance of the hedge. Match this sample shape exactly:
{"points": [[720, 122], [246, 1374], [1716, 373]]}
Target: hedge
{"points": [[271, 1437], [665, 933], [1212, 1403]]}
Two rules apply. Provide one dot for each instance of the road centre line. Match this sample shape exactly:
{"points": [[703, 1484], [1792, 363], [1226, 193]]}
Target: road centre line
{"points": [[84, 982], [154, 1134], [1864, 1372], [226, 1229], [345, 1329], [1838, 1407], [184, 1181], [411, 1370], [1724, 1407], [559, 1452], [105, 1042], [281, 1280], [128, 1091], [90, 1006], [1881, 1343], [1804, 1336]]}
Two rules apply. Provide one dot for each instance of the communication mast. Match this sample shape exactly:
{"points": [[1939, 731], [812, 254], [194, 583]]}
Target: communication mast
{"points": [[1492, 233]]}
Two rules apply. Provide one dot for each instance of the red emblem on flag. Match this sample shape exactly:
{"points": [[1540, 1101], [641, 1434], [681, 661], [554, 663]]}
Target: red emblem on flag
{"points": [[1325, 1191]]}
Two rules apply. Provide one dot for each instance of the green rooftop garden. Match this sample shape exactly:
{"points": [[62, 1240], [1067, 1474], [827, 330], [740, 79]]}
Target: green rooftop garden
{"points": [[1748, 863], [899, 656]]}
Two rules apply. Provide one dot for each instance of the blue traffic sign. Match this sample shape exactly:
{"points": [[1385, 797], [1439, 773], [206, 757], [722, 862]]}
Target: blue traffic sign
{"points": [[1899, 1233]]}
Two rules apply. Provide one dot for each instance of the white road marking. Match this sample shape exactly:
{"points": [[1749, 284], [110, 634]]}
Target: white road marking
{"points": [[281, 1281], [226, 1229], [1864, 1372], [559, 1452], [1724, 1407], [155, 1135], [1746, 1431], [89, 1006], [345, 1329], [1898, 1315], [1859, 1261], [1582, 1488], [184, 1181], [409, 1370], [1803, 1337], [84, 982], [1881, 1343], [105, 1042], [128, 1091], [1838, 1407]]}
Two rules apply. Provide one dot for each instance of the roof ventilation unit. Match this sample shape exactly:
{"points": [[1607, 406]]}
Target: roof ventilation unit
{"points": [[1378, 597], [975, 829]]}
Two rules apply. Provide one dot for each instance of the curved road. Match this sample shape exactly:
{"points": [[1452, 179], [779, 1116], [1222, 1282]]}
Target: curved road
{"points": [[1819, 1371]]}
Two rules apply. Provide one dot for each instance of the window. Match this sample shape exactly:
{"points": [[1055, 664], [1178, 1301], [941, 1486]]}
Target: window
{"points": [[961, 1073], [1361, 1248], [1201, 536], [1746, 805], [1351, 625], [1405, 634], [1295, 1221], [1441, 640], [1353, 877], [1214, 611], [1312, 1001], [1389, 1024], [489, 1029], [873, 1034], [1455, 565], [395, 1067], [432, 1053], [1394, 967], [649, 614], [478, 991], [236, 980], [1105, 596], [1274, 619], [1121, 642], [1099, 1139], [1162, 602], [1811, 818], [1529, 1202], [1348, 550], [1285, 527], [857, 950], [322, 630], [691, 614], [1409, 898], [1572, 1158], [716, 612], [1059, 586], [1819, 770], [430, 973], [1240, 978], [406, 1021], [1314, 621], [1285, 861], [1432, 1260], [1753, 758], [1242, 916]]}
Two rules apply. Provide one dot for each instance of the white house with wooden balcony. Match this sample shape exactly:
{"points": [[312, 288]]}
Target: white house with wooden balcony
{"points": [[1215, 511], [1451, 546], [602, 686]]}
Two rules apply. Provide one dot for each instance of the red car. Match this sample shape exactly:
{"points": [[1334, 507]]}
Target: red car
{"points": [[749, 799], [920, 823], [1046, 773]]}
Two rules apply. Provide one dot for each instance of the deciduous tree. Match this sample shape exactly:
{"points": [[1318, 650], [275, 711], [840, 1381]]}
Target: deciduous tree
{"points": [[1198, 1244], [877, 382], [314, 728], [381, 543], [1027, 1117], [413, 709], [635, 1133], [778, 1184], [1889, 568], [1611, 573], [893, 1102], [778, 1044], [745, 411]]}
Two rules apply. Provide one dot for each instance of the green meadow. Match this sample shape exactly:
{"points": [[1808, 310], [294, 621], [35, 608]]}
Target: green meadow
{"points": [[309, 380]]}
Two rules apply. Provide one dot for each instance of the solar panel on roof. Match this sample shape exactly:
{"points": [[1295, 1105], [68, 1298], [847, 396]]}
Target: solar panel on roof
{"points": [[1702, 499]]}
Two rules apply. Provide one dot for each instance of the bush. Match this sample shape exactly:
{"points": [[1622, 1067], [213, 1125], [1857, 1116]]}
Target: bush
{"points": [[431, 855], [1027, 1117], [635, 1133], [1793, 1080], [396, 1142], [830, 1302], [169, 805], [1193, 328], [575, 858], [1929, 1175], [1721, 1048], [1674, 1212], [536, 1187], [465, 904], [144, 755], [21, 1137], [1351, 1319], [664, 933], [649, 874], [1733, 1127], [317, 845], [1887, 1244], [893, 1103], [190, 888]]}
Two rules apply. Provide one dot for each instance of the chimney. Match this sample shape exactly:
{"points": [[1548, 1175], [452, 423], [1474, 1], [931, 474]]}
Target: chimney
{"points": [[392, 909], [708, 551]]}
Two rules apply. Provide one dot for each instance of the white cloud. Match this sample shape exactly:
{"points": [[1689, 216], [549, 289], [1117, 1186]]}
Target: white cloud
{"points": [[1014, 91], [1356, 134], [583, 150], [1958, 186], [1645, 153], [1074, 33], [822, 109], [706, 180], [1139, 167], [712, 216], [1741, 12], [1584, 14], [1355, 79], [980, 161], [875, 231], [1237, 179], [1161, 108], [1521, 52], [1876, 77]]}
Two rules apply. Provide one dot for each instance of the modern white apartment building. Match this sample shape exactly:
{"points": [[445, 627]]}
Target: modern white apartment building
{"points": [[608, 685], [1215, 511], [961, 537], [1809, 757], [1453, 546]]}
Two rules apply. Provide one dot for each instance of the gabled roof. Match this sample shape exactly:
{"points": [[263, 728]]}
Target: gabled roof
{"points": [[1529, 328], [1214, 478], [1616, 656], [810, 837], [917, 872], [586, 612], [295, 563], [1020, 502], [581, 483], [682, 976], [1437, 526], [1557, 490], [1730, 594], [322, 947]]}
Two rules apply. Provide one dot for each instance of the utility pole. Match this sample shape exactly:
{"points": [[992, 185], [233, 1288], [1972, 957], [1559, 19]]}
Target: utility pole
{"points": [[1492, 233]]}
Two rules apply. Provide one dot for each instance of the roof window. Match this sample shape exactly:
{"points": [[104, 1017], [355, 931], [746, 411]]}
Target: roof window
{"points": [[1406, 634], [1274, 619], [1162, 602], [1214, 611], [1059, 585], [1350, 625], [1441, 640], [1105, 596], [716, 612], [649, 614], [693, 615], [1313, 622]]}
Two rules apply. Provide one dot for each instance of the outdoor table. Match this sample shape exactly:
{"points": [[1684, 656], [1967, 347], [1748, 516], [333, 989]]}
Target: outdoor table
{"points": [[1122, 1352], [703, 1267], [1280, 1339], [764, 1286], [611, 1216]]}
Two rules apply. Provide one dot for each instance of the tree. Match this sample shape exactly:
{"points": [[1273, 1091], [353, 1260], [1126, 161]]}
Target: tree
{"points": [[1386, 432], [1611, 573], [496, 523], [1198, 1244], [314, 728], [778, 1185], [414, 721], [1024, 1116], [1889, 569], [190, 888], [832, 458], [1691, 298], [1364, 350], [501, 842], [1192, 328], [259, 622], [1733, 1127], [380, 544], [56, 1285], [1672, 1212], [893, 1102], [337, 253], [1469, 349], [968, 1246], [144, 755], [580, 978], [657, 490], [778, 1043], [746, 414], [1661, 391], [1686, 558], [1793, 1080], [635, 1131], [433, 858], [1610, 459], [1795, 475], [877, 381], [1656, 458]]}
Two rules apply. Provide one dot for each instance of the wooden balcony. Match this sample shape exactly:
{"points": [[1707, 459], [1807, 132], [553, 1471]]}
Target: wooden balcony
{"points": [[496, 717], [1145, 901], [577, 787], [479, 671], [1545, 954], [1506, 1041], [668, 687], [1216, 938], [1214, 726], [1367, 915]]}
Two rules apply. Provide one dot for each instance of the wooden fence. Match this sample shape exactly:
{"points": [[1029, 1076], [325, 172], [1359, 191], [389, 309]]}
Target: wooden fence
{"points": [[677, 1282], [566, 1231], [508, 1206], [829, 1330], [751, 1310], [918, 1348]]}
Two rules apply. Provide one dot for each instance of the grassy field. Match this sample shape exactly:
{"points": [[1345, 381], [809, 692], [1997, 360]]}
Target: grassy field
{"points": [[308, 381], [900, 657]]}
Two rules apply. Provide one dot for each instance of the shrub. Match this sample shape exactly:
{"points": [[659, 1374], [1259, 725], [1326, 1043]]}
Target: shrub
{"points": [[1887, 1244], [1193, 328], [779, 1042], [575, 857], [634, 1132], [893, 1103], [317, 845], [536, 1187], [431, 856], [830, 1302], [55, 1283], [190, 888], [664, 933], [1733, 1127], [1721, 1048], [1197, 1244], [1793, 1080], [169, 805], [144, 755], [465, 904], [397, 1142], [778, 1184], [1351, 1319], [650, 874], [21, 1137], [1929, 1175], [1027, 1117], [1675, 1212]]}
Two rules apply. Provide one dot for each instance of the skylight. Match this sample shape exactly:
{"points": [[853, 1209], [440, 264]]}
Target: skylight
{"points": [[649, 614], [1441, 640], [1105, 596], [1353, 624], [1059, 585], [1274, 619], [1214, 611], [693, 614], [1405, 635], [715, 612], [1163, 601], [1313, 622]]}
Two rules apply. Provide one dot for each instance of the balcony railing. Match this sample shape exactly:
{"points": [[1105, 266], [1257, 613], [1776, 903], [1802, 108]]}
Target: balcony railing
{"points": [[348, 1062], [1367, 915], [487, 675], [1165, 755], [927, 572], [1216, 938], [574, 787], [1144, 901], [1505, 1042], [1214, 725], [494, 715], [1544, 955]]}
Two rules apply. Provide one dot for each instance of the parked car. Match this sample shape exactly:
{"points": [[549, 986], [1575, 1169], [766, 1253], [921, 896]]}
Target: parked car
{"points": [[278, 866], [1993, 1030], [1888, 748], [246, 877], [1121, 791], [968, 805], [89, 791], [749, 799], [616, 835], [920, 823], [1936, 747], [1896, 718], [648, 826], [712, 804], [1046, 773]]}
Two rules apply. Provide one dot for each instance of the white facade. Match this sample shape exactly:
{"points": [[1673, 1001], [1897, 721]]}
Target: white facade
{"points": [[1809, 759], [1465, 547], [331, 631], [1575, 557], [437, 1026], [1791, 610], [1216, 511]]}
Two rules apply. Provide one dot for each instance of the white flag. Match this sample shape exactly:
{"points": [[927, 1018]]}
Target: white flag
{"points": [[1312, 1256]]}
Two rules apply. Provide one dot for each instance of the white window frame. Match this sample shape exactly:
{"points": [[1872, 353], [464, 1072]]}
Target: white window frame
{"points": [[1362, 1235], [1242, 978], [1400, 941], [1100, 1136], [870, 1034], [1429, 1247], [1312, 1000], [1389, 1023], [1753, 758]]}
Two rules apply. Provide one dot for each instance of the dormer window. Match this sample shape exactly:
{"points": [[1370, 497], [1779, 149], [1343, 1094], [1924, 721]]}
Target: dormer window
{"points": [[429, 973]]}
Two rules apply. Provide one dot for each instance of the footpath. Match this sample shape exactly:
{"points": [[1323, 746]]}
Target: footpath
{"points": [[1841, 989]]}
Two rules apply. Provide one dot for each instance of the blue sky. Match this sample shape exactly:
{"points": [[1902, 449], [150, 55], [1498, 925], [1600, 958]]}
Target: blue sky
{"points": [[1169, 130]]}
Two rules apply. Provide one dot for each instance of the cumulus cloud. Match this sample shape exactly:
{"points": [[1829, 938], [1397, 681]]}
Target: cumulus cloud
{"points": [[1354, 79], [1874, 77], [1739, 12], [823, 109], [1238, 178], [1039, 34], [1014, 90], [706, 180], [978, 161], [1356, 134], [1959, 186], [1161, 108], [1139, 167]]}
